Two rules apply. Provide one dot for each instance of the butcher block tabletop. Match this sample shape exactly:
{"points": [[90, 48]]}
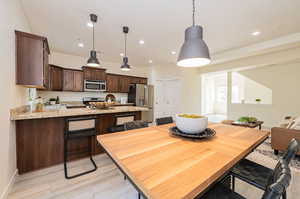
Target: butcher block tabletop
{"points": [[163, 166]]}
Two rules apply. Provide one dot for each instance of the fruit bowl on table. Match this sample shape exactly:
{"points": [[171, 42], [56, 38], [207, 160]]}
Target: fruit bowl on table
{"points": [[191, 123]]}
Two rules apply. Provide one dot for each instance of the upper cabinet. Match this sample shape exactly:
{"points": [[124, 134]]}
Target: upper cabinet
{"points": [[138, 80], [32, 69], [117, 83], [120, 83], [72, 80], [91, 73], [56, 78], [112, 83]]}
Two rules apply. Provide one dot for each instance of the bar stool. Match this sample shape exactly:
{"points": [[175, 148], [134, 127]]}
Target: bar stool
{"points": [[76, 128], [164, 120]]}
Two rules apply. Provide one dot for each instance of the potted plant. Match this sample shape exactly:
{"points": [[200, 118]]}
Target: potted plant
{"points": [[247, 119], [258, 100]]}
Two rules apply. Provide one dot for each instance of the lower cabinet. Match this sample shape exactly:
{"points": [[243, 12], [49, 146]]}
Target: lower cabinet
{"points": [[40, 142]]}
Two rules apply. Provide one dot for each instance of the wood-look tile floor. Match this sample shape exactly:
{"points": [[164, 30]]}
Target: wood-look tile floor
{"points": [[105, 183]]}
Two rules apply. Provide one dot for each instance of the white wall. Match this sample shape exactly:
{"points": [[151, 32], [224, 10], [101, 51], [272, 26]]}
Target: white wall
{"points": [[283, 80], [278, 71], [191, 82], [246, 90], [12, 17], [76, 62]]}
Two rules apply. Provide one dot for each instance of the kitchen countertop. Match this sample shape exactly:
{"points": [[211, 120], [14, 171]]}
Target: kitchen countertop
{"points": [[23, 115]]}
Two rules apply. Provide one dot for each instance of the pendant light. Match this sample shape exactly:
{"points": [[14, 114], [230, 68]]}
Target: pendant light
{"points": [[93, 61], [194, 52], [125, 66]]}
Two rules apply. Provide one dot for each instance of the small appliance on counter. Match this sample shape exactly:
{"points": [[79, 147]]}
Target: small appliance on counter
{"points": [[142, 95]]}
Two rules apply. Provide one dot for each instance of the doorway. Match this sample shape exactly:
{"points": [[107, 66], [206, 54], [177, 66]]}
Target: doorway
{"points": [[214, 96], [167, 97]]}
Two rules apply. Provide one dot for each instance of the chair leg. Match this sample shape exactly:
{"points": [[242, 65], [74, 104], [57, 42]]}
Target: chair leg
{"points": [[233, 183], [66, 160], [276, 152], [139, 195], [125, 178], [284, 195]]}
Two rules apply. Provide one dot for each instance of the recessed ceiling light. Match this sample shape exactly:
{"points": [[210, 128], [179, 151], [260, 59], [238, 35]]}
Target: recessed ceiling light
{"points": [[141, 42], [80, 44], [173, 52], [150, 61], [122, 54], [90, 24], [255, 33]]}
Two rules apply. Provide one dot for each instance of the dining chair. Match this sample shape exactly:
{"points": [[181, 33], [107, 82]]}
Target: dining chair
{"points": [[135, 125], [256, 174], [164, 120], [276, 187]]}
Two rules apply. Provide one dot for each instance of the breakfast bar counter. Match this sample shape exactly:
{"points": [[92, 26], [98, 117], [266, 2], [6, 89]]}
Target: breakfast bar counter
{"points": [[40, 135], [25, 115]]}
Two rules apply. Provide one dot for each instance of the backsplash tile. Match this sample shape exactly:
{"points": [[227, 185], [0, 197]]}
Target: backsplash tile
{"points": [[76, 96]]}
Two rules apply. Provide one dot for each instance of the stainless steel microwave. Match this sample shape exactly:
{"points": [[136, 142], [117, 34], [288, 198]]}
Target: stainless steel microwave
{"points": [[94, 85]]}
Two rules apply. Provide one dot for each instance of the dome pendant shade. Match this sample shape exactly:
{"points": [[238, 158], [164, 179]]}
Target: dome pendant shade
{"points": [[194, 52], [93, 61], [125, 66]]}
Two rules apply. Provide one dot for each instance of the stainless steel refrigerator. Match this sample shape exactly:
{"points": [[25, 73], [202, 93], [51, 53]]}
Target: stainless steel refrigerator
{"points": [[142, 95]]}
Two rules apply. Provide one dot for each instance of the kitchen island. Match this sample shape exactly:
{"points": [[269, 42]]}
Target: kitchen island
{"points": [[40, 135]]}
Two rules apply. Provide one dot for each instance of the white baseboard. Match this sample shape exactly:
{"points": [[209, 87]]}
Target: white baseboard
{"points": [[9, 186]]}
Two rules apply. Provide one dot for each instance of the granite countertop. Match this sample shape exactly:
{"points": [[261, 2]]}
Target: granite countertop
{"points": [[21, 114]]}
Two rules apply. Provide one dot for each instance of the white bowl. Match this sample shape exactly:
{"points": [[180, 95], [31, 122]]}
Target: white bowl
{"points": [[191, 125]]}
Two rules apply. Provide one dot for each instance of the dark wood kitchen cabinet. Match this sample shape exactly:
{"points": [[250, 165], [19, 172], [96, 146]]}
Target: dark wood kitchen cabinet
{"points": [[40, 144], [32, 69], [112, 83], [72, 80], [117, 83], [120, 83], [91, 73], [138, 80], [78, 81], [56, 78], [124, 82]]}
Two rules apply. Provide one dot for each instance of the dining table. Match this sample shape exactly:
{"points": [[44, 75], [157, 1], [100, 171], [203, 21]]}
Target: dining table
{"points": [[163, 166]]}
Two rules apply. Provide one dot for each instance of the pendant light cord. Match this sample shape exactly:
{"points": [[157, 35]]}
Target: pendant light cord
{"points": [[93, 36], [194, 12], [125, 44]]}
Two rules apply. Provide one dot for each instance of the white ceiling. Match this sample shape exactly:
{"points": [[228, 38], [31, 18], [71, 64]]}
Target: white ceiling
{"points": [[227, 25]]}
